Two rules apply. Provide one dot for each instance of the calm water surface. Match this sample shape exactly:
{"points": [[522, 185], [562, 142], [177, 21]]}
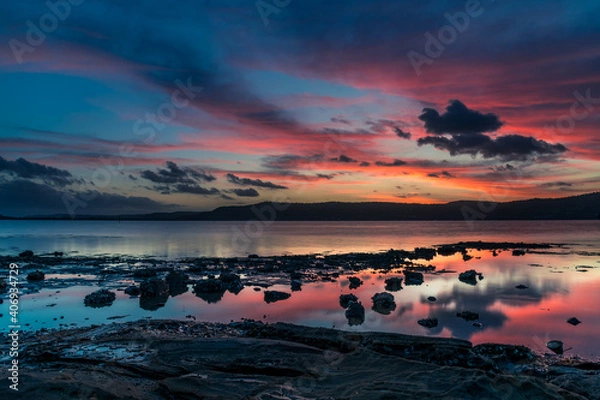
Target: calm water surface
{"points": [[560, 285], [225, 239]]}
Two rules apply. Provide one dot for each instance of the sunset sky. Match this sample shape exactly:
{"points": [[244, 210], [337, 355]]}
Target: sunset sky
{"points": [[140, 106]]}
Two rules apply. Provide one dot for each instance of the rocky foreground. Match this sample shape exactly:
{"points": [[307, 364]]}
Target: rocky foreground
{"points": [[165, 359]]}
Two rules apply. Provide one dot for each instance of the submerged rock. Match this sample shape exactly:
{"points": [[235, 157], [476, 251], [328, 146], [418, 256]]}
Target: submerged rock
{"points": [[413, 278], [26, 254], [355, 282], [154, 287], [36, 276], [556, 346], [154, 294], [177, 283], [144, 273], [428, 322], [355, 314], [209, 286], [521, 287], [132, 290], [231, 282], [393, 284], [345, 299], [449, 250], [573, 321], [470, 277], [271, 296], [296, 285], [383, 303], [99, 298], [468, 315]]}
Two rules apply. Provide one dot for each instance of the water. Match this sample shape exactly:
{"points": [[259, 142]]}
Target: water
{"points": [[226, 239], [561, 285]]}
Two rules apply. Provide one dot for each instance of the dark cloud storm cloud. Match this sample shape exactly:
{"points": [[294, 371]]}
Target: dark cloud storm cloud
{"points": [[245, 192], [175, 179], [402, 134], [459, 119], [22, 168], [395, 163], [22, 197], [465, 128], [236, 180]]}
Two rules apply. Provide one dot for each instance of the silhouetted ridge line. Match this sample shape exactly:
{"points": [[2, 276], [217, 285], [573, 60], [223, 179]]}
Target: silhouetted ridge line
{"points": [[585, 206]]}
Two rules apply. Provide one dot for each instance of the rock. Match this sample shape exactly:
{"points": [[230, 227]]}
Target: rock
{"points": [[355, 314], [470, 277], [413, 278], [431, 298], [132, 290], [296, 275], [556, 346], [153, 303], [428, 322], [296, 285], [26, 254], [354, 282], [449, 250], [468, 315], [383, 303], [154, 287], [573, 321], [466, 257], [521, 287], [477, 324], [518, 252], [3, 285], [209, 286], [231, 282], [36, 276], [345, 299], [393, 284], [271, 296], [177, 283], [99, 298], [58, 254], [425, 253], [144, 273], [210, 290]]}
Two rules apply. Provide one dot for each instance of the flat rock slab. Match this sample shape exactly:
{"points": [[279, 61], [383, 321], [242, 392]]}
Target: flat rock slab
{"points": [[178, 360]]}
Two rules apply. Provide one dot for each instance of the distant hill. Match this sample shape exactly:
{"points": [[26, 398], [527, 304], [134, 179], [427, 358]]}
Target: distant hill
{"points": [[585, 206]]}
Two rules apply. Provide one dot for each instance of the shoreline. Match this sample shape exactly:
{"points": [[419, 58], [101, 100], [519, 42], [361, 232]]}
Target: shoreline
{"points": [[162, 359], [177, 358]]}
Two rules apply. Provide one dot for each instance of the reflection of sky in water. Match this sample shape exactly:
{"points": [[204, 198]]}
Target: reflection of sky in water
{"points": [[194, 239], [556, 291]]}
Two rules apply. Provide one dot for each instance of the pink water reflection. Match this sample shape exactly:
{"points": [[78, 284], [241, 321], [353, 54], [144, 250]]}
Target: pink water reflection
{"points": [[556, 291]]}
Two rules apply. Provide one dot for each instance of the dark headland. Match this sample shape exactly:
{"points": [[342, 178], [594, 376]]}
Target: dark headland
{"points": [[582, 207]]}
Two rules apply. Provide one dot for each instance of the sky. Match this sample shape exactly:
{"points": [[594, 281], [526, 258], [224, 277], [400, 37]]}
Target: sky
{"points": [[114, 107]]}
